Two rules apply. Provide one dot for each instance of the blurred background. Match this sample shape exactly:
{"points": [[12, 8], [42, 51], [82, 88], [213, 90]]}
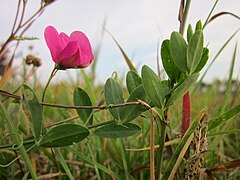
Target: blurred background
{"points": [[137, 25]]}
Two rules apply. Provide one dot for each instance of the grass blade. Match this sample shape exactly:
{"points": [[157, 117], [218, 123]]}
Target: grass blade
{"points": [[90, 161], [217, 121], [63, 163], [128, 61]]}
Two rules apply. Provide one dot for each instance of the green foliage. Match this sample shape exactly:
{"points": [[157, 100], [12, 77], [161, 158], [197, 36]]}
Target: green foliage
{"points": [[178, 47], [194, 51], [203, 61], [189, 32], [133, 80], [133, 111], [153, 86], [147, 106], [33, 110], [180, 150], [182, 88], [64, 135], [81, 98], [114, 95], [172, 71], [114, 130]]}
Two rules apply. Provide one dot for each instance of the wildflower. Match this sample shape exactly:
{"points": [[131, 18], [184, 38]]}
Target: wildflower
{"points": [[69, 52]]}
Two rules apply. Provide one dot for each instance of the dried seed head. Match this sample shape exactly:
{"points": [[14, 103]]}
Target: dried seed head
{"points": [[31, 59], [47, 2]]}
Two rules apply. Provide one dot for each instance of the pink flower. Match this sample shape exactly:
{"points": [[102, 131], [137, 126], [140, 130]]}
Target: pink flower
{"points": [[69, 52]]}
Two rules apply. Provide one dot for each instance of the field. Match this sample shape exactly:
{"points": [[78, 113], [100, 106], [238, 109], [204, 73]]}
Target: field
{"points": [[141, 127]]}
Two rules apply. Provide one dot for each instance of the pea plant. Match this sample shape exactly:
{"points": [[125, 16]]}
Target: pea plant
{"points": [[141, 108]]}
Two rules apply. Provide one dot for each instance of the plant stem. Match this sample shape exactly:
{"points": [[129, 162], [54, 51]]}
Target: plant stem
{"points": [[18, 141], [186, 112], [186, 108], [161, 146], [185, 15], [54, 71]]}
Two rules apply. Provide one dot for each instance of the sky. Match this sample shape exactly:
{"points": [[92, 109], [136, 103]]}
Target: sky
{"points": [[137, 25]]}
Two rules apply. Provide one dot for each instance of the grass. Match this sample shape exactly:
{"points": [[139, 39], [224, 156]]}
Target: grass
{"points": [[212, 139]]}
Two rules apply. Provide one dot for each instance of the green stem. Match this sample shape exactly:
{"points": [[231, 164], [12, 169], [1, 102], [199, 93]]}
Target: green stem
{"points": [[209, 15], [18, 141], [54, 71], [185, 15], [160, 150]]}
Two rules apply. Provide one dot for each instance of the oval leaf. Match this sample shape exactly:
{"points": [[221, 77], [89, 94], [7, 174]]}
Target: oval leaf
{"points": [[203, 61], [153, 86], [182, 88], [133, 80], [171, 69], [133, 111], [113, 95], [189, 32], [194, 51], [178, 49], [64, 135], [33, 110], [117, 131], [81, 98]]}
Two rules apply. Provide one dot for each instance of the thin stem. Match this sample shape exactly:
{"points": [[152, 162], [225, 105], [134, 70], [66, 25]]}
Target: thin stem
{"points": [[152, 139], [18, 141], [161, 147], [16, 17], [186, 98], [54, 71], [185, 15], [209, 15]]}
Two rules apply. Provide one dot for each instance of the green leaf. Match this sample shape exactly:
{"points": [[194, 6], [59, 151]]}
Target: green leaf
{"points": [[203, 61], [131, 112], [166, 86], [81, 98], [179, 152], [194, 51], [33, 110], [217, 121], [117, 131], [133, 80], [189, 32], [153, 86], [114, 95], [171, 69], [199, 26], [178, 49], [182, 88], [64, 135]]}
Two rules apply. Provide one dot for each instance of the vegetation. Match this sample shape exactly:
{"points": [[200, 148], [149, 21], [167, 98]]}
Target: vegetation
{"points": [[152, 128]]}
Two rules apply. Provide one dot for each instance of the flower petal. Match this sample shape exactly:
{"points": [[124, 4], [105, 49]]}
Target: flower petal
{"points": [[85, 48], [53, 42], [70, 62], [65, 39], [68, 52]]}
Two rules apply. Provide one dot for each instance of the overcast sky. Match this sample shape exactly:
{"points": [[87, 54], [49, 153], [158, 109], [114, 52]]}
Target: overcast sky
{"points": [[137, 25]]}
